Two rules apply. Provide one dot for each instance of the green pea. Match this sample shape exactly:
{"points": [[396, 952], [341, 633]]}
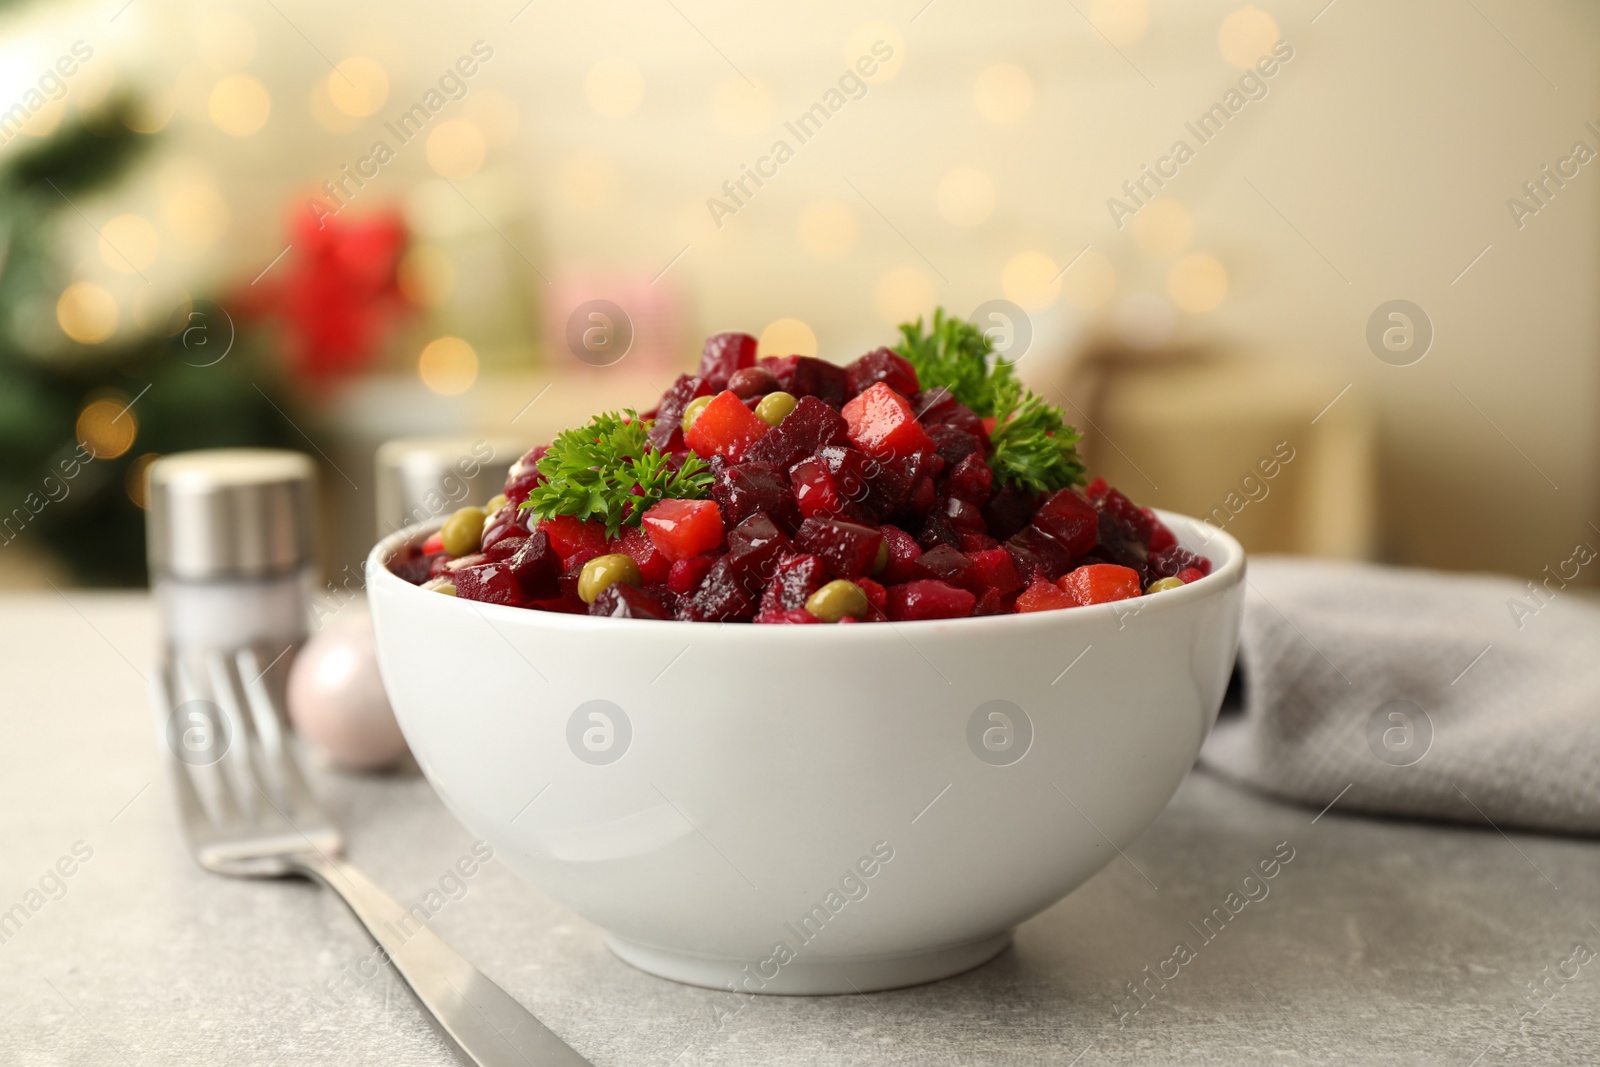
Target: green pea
{"points": [[836, 600], [692, 412], [775, 407], [1161, 585], [447, 588], [603, 572], [463, 531], [495, 503]]}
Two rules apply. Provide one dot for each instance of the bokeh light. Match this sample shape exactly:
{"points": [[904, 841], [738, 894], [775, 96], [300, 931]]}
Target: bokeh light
{"points": [[1197, 282], [787, 337], [902, 294], [1122, 21], [195, 213], [239, 105], [456, 149], [615, 88], [1247, 36], [590, 182], [128, 243], [827, 230], [867, 37], [966, 197], [107, 427], [1003, 93], [1090, 281], [87, 312], [1162, 228], [1031, 279], [448, 366], [358, 86], [742, 108], [137, 479]]}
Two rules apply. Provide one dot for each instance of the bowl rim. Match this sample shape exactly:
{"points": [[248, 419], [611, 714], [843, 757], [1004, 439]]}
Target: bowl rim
{"points": [[1228, 569]]}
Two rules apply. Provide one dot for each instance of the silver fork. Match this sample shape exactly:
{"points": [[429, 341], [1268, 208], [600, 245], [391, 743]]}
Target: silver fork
{"points": [[247, 812]]}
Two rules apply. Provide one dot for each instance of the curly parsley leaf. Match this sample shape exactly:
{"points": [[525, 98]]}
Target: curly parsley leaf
{"points": [[1032, 446], [608, 471]]}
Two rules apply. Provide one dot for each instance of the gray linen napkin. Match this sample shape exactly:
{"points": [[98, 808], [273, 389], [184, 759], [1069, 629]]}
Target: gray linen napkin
{"points": [[1468, 698]]}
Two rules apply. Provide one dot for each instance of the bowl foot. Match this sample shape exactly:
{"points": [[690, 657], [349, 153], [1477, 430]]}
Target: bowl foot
{"points": [[803, 977]]}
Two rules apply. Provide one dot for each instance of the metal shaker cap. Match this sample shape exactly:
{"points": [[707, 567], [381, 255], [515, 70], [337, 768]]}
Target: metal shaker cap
{"points": [[230, 513], [421, 478]]}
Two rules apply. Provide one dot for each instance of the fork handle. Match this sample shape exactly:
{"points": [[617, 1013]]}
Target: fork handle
{"points": [[479, 1019]]}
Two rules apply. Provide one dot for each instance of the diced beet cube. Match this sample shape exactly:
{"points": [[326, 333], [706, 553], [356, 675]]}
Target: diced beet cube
{"points": [[537, 567], [1135, 523], [669, 417], [793, 581], [684, 528], [826, 381], [1114, 545], [938, 407], [723, 354], [882, 365], [937, 529], [1101, 583], [489, 583], [1008, 511], [412, 568], [1070, 519], [437, 563], [1169, 562], [1096, 490], [754, 548], [948, 565], [874, 487], [726, 427], [994, 568], [720, 598], [1190, 574], [1044, 596], [903, 554], [1160, 536], [929, 599], [788, 617], [877, 595], [1038, 555], [848, 550], [971, 480], [977, 542], [654, 564], [685, 575], [504, 548], [752, 383], [623, 601], [965, 517], [882, 424], [954, 445], [808, 428], [572, 537], [524, 475], [568, 602], [743, 490], [990, 602], [780, 367], [815, 493], [507, 521]]}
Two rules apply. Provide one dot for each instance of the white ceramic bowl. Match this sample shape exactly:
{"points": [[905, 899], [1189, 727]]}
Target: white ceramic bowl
{"points": [[809, 809]]}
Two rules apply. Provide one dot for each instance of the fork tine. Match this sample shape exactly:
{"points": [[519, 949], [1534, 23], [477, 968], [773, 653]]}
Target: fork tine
{"points": [[269, 720], [196, 820], [244, 754], [224, 790]]}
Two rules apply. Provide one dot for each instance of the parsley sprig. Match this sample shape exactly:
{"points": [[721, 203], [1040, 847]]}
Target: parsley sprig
{"points": [[1033, 447], [608, 470]]}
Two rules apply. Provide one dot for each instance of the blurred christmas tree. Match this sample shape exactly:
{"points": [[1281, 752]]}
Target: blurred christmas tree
{"points": [[83, 410]]}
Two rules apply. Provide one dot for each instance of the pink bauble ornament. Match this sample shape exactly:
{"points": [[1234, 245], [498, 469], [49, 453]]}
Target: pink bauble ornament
{"points": [[336, 698]]}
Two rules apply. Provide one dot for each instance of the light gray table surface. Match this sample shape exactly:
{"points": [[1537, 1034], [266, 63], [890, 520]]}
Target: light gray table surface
{"points": [[1380, 943]]}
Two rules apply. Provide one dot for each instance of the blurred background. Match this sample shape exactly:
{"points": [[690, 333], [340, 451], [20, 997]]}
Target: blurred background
{"points": [[1322, 272]]}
